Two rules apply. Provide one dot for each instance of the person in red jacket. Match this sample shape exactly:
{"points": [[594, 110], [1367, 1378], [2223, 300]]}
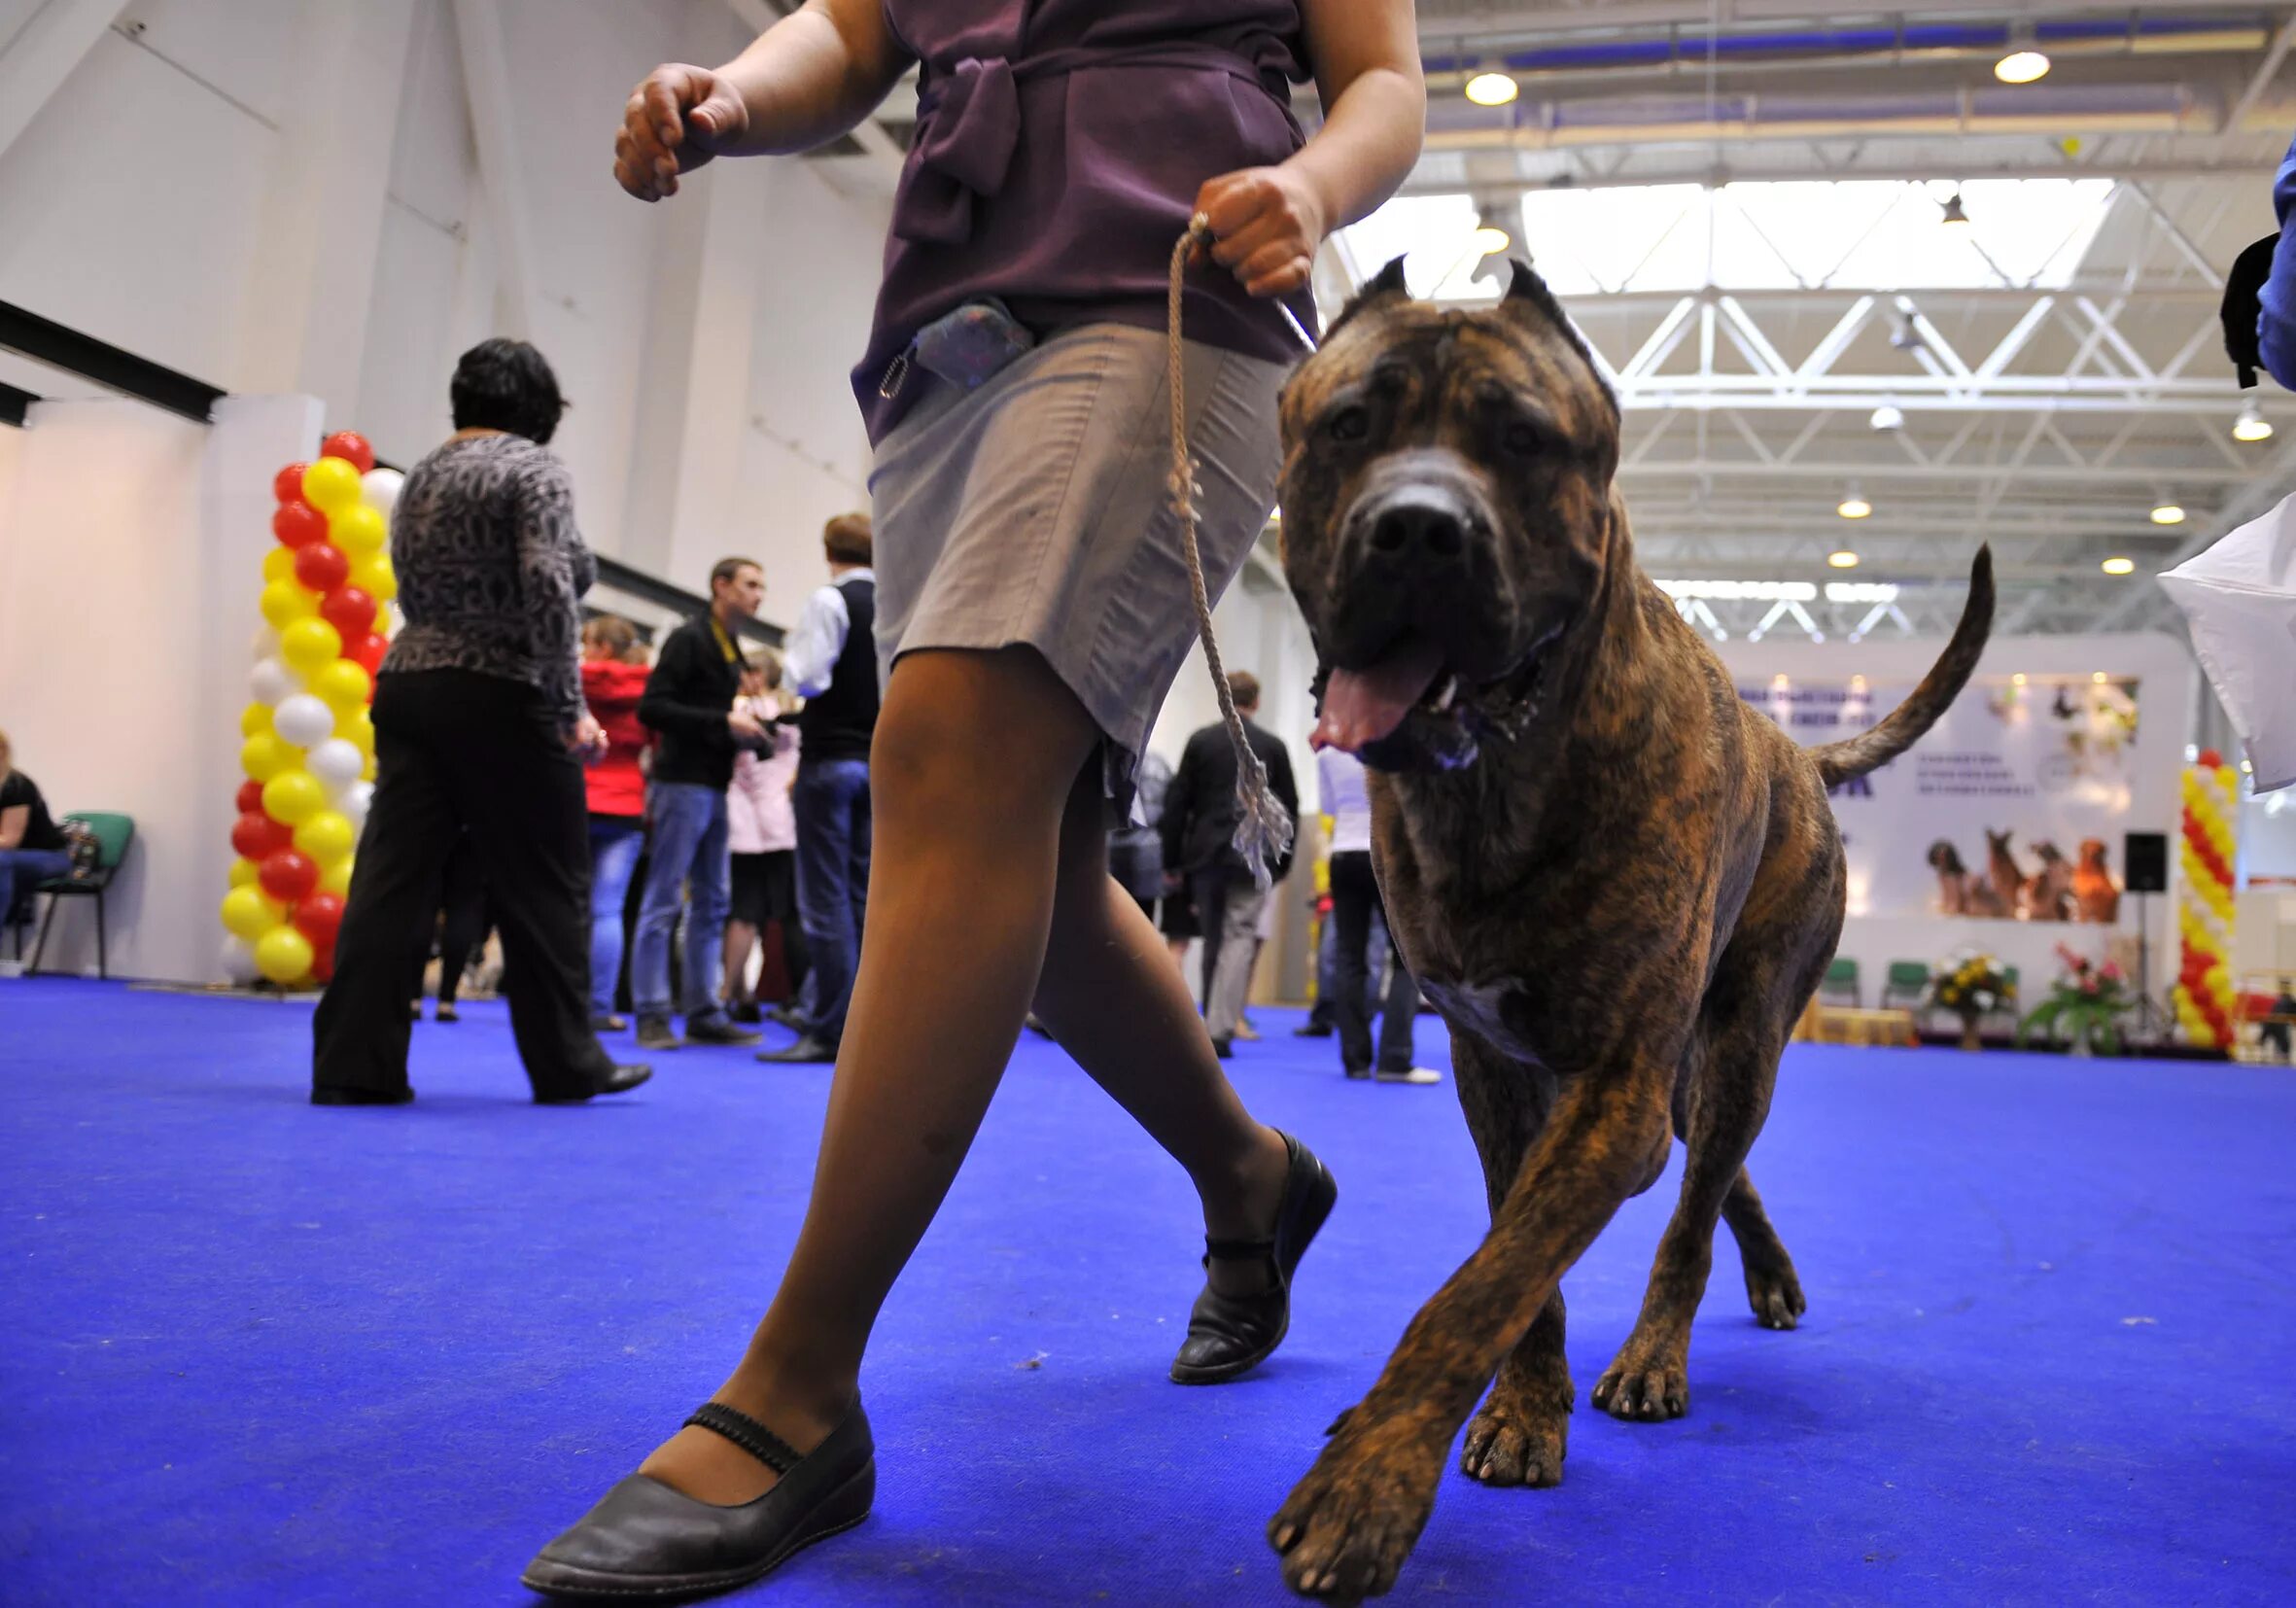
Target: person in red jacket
{"points": [[613, 679]]}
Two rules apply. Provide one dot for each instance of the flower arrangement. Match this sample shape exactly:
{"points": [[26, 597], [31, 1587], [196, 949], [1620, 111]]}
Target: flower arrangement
{"points": [[1972, 988], [2084, 1007]]}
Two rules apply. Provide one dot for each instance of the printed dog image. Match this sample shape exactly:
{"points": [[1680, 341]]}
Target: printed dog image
{"points": [[2097, 898], [1953, 879], [1618, 883]]}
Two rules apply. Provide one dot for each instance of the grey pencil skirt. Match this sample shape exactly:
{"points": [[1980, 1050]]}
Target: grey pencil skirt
{"points": [[1034, 511]]}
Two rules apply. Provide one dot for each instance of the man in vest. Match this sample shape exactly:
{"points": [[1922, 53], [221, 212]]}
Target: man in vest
{"points": [[689, 706], [832, 660]]}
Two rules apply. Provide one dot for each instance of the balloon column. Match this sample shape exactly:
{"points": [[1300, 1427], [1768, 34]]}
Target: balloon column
{"points": [[307, 744], [2204, 995]]}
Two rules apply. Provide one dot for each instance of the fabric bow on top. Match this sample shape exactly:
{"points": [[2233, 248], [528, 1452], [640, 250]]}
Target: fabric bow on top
{"points": [[968, 128]]}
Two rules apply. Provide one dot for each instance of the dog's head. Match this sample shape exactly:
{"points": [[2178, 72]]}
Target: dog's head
{"points": [[1448, 520], [1946, 859], [2092, 854]]}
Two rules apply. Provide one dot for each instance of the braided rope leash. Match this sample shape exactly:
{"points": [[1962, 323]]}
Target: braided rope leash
{"points": [[1264, 826]]}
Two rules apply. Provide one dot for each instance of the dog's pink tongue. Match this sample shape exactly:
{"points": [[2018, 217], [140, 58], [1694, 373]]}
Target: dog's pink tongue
{"points": [[1363, 706]]}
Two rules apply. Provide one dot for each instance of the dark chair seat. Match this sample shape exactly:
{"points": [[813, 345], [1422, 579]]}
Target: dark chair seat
{"points": [[113, 834]]}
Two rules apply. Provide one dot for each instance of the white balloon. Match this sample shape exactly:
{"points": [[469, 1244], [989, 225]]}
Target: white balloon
{"points": [[238, 960], [270, 680], [302, 720], [381, 486], [336, 761], [354, 803], [266, 645]]}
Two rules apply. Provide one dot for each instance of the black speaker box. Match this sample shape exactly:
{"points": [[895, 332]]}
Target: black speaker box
{"points": [[2145, 860]]}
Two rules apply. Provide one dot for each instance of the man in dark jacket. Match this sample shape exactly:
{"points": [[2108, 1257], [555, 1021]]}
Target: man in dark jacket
{"points": [[1199, 825], [689, 706]]}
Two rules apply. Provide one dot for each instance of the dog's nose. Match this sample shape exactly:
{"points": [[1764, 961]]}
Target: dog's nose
{"points": [[1417, 529]]}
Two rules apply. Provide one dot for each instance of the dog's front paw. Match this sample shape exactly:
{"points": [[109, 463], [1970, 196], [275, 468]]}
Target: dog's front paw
{"points": [[1776, 1294], [1510, 1442], [1648, 1382], [1346, 1529]]}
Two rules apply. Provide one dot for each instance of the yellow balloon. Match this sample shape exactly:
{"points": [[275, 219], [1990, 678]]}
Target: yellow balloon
{"points": [[374, 576], [282, 954], [248, 913], [335, 878], [279, 564], [284, 602], [331, 485], [310, 646], [382, 621], [342, 685], [326, 837], [255, 720], [358, 531], [266, 756], [293, 797], [244, 872]]}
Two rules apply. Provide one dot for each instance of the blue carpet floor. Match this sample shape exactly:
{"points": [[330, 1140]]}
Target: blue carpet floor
{"points": [[257, 1354]]}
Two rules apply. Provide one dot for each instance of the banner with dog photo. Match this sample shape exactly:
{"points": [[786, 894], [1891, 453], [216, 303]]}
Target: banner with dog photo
{"points": [[2013, 806]]}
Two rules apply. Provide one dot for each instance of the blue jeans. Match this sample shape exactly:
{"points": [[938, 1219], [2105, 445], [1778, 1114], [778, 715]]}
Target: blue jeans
{"points": [[21, 868], [832, 803], [615, 844], [688, 852]]}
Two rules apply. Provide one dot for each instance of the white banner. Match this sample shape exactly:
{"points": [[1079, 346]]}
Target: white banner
{"points": [[2013, 806]]}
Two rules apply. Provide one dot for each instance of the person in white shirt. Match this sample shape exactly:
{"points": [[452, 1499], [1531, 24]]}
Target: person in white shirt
{"points": [[1355, 900], [761, 831]]}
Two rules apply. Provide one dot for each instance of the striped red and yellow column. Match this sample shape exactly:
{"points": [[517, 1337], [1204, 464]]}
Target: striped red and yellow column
{"points": [[2204, 995], [307, 744]]}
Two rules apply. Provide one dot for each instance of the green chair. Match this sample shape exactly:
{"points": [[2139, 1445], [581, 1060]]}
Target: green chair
{"points": [[112, 835], [1840, 975], [1907, 980]]}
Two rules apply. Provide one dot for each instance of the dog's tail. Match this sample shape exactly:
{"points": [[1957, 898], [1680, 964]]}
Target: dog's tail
{"points": [[1838, 763]]}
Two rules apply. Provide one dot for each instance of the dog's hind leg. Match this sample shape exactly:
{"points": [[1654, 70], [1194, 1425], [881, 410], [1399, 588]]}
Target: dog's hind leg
{"points": [[1518, 1435], [1772, 1289], [1728, 1096]]}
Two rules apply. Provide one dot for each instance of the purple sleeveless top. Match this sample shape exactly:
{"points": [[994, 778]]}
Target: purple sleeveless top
{"points": [[1060, 146]]}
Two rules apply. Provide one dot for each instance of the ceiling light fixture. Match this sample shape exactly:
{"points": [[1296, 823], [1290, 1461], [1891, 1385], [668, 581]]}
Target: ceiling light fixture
{"points": [[2120, 565], [1853, 505], [1842, 559], [1888, 416], [2252, 426], [2168, 514], [1955, 212], [1492, 89]]}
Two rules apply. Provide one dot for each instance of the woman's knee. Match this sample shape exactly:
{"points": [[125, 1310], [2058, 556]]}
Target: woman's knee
{"points": [[974, 736]]}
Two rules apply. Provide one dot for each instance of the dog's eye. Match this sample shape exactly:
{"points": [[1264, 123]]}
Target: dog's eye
{"points": [[1349, 424], [1521, 437]]}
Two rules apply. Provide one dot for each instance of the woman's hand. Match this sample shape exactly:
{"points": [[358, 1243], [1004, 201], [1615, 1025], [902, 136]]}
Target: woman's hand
{"points": [[1268, 222], [675, 120], [587, 739]]}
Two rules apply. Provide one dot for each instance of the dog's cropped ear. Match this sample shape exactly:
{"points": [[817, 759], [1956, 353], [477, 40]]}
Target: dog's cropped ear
{"points": [[1386, 283], [1528, 297]]}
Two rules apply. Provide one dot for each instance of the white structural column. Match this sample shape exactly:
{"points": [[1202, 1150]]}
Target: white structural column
{"points": [[692, 403], [38, 60], [308, 297], [502, 174]]}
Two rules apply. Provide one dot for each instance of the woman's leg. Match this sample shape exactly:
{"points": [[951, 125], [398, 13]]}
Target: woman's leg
{"points": [[975, 758], [464, 929], [614, 852]]}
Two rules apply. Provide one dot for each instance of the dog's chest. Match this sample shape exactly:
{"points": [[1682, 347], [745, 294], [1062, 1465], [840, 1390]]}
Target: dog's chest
{"points": [[1497, 1011]]}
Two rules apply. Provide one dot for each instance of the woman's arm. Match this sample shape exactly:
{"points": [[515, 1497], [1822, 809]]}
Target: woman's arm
{"points": [[1270, 220], [809, 77], [14, 821]]}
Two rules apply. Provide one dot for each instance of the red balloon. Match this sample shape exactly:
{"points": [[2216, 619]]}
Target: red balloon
{"points": [[2212, 758], [258, 837], [350, 611], [349, 443], [369, 653], [318, 918], [321, 566], [287, 484], [249, 800], [298, 524], [287, 875], [323, 966]]}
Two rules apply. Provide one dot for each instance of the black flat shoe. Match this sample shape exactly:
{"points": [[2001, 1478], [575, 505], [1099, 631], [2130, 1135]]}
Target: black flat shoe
{"points": [[808, 1051], [646, 1541], [621, 1081], [1230, 1335], [340, 1094], [716, 1030]]}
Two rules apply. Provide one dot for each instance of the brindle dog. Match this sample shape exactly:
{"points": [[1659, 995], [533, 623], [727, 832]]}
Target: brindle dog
{"points": [[1618, 883]]}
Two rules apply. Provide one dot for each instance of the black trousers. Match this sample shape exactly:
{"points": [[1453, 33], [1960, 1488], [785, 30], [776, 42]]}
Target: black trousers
{"points": [[462, 901], [457, 751], [1355, 894]]}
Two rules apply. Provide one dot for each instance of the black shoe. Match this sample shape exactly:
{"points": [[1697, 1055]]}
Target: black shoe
{"points": [[1232, 1335], [716, 1030], [1224, 1048], [655, 1032], [342, 1094], [746, 1012], [1311, 1029], [1359, 1074], [620, 1081], [646, 1541], [445, 1012], [1035, 1024], [414, 1010], [787, 1016], [607, 1021], [808, 1051]]}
